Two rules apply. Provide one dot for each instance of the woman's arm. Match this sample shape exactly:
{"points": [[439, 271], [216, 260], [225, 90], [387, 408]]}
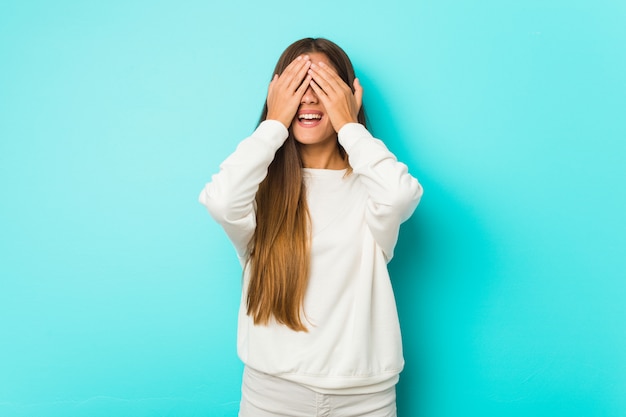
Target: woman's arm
{"points": [[229, 197], [393, 192]]}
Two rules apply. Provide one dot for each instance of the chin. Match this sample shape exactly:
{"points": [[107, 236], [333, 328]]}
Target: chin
{"points": [[312, 138]]}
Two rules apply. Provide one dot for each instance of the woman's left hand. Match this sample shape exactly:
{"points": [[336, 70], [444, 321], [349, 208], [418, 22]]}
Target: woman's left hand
{"points": [[341, 104]]}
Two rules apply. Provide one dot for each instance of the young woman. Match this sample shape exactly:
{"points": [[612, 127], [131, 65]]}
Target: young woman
{"points": [[313, 204]]}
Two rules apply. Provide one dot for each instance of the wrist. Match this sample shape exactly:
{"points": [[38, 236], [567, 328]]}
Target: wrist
{"points": [[285, 122], [342, 123]]}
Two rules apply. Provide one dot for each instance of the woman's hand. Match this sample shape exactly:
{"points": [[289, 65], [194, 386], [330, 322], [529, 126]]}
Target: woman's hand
{"points": [[341, 104], [286, 91]]}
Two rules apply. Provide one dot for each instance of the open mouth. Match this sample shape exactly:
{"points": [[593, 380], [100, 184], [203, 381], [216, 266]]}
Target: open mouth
{"points": [[309, 118]]}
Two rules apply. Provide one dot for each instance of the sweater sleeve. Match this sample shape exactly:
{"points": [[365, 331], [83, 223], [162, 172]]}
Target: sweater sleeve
{"points": [[229, 196], [393, 192]]}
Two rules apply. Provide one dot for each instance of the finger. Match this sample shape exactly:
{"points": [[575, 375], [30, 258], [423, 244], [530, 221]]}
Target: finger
{"points": [[331, 77], [321, 78], [303, 87], [321, 94], [272, 84], [292, 81], [293, 75], [299, 60], [298, 77], [358, 93]]}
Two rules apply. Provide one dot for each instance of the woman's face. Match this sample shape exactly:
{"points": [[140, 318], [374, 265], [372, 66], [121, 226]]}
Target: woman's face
{"points": [[312, 126]]}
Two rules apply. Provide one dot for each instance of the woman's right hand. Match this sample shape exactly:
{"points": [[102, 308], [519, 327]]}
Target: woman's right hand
{"points": [[286, 91]]}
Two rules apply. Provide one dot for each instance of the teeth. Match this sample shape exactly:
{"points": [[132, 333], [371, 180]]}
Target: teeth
{"points": [[310, 116]]}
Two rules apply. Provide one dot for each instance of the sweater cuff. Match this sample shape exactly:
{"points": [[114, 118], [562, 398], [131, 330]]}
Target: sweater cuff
{"points": [[271, 131], [350, 134]]}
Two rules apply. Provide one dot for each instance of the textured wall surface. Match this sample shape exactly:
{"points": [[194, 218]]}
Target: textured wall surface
{"points": [[119, 295]]}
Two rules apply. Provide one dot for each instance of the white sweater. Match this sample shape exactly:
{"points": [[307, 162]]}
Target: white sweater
{"points": [[353, 343]]}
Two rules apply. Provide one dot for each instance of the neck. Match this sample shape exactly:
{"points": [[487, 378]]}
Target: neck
{"points": [[322, 157]]}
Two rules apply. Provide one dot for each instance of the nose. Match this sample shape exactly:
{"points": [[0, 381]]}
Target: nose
{"points": [[309, 97]]}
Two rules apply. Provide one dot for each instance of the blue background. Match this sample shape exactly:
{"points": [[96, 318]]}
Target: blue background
{"points": [[118, 294]]}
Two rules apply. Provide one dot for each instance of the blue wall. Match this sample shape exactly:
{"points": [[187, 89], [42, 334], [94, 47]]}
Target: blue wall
{"points": [[118, 294]]}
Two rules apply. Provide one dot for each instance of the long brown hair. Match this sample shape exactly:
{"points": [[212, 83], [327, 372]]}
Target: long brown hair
{"points": [[280, 247]]}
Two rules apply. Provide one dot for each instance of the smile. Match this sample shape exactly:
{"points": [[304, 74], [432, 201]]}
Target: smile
{"points": [[309, 118]]}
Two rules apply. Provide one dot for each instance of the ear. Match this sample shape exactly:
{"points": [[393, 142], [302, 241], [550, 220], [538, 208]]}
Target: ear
{"points": [[358, 93]]}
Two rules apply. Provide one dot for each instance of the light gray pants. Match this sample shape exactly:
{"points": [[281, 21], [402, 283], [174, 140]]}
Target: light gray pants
{"points": [[264, 395]]}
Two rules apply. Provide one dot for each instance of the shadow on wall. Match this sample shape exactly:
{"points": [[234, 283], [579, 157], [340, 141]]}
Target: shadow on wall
{"points": [[437, 292]]}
